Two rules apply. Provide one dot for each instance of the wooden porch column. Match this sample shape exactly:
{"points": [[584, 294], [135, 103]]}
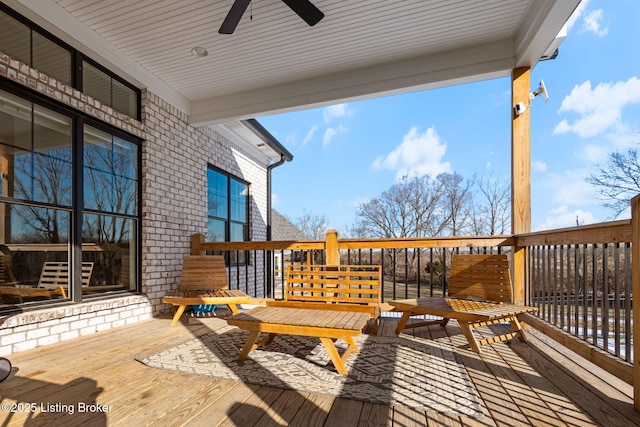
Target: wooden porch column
{"points": [[196, 244], [520, 174], [635, 291], [331, 248]]}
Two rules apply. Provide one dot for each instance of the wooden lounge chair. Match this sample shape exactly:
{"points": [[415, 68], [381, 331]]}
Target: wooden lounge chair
{"points": [[479, 294], [204, 281], [54, 281]]}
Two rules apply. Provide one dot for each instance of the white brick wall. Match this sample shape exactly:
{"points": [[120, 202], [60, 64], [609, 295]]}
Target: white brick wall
{"points": [[25, 331], [175, 156], [175, 159]]}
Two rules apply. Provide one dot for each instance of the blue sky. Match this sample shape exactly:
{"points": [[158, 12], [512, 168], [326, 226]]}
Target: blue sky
{"points": [[348, 153]]}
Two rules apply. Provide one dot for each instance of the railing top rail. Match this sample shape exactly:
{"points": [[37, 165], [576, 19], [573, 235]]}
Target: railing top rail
{"points": [[399, 243], [605, 232]]}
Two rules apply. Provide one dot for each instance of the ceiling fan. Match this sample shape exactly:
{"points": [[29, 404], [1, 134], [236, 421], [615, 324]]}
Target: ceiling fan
{"points": [[304, 8]]}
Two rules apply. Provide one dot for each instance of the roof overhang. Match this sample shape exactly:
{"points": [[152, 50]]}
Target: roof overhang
{"points": [[276, 63]]}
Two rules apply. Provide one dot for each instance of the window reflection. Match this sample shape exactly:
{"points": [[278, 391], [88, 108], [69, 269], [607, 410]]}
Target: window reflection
{"points": [[35, 152], [34, 253], [110, 173], [109, 243]]}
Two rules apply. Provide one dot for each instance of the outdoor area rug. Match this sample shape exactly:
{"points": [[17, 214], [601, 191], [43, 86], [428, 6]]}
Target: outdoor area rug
{"points": [[400, 371]]}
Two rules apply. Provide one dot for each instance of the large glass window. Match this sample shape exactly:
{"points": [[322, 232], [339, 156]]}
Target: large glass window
{"points": [[37, 212], [228, 210], [109, 232], [69, 185], [35, 200]]}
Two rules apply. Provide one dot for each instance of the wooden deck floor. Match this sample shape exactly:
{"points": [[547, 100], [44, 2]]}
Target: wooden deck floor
{"points": [[520, 384]]}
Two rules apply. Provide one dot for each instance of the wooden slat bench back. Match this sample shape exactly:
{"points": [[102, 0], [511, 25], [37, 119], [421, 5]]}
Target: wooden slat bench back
{"points": [[355, 288], [353, 284], [481, 278], [203, 272], [56, 274]]}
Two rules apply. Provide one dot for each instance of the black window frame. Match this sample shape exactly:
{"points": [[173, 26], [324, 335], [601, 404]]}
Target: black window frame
{"points": [[77, 210], [242, 255]]}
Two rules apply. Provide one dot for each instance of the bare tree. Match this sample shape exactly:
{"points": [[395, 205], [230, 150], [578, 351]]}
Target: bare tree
{"points": [[492, 205], [314, 226], [456, 201], [410, 208], [619, 182], [45, 177]]}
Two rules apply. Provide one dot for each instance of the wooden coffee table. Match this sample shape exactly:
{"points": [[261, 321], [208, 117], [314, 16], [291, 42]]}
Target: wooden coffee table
{"points": [[328, 325]]}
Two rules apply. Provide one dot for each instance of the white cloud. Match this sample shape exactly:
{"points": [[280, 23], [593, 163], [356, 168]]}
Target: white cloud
{"points": [[331, 133], [600, 108], [333, 111], [591, 23], [570, 187], [591, 19], [561, 217], [539, 166], [577, 14], [309, 135], [418, 154]]}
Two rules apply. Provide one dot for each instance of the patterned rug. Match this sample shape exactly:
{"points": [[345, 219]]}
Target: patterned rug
{"points": [[403, 371]]}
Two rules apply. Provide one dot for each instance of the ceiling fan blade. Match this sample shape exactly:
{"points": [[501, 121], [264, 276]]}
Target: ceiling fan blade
{"points": [[305, 10], [233, 17]]}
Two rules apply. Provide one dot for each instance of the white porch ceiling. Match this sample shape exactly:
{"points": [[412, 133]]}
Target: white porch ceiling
{"points": [[275, 62]]}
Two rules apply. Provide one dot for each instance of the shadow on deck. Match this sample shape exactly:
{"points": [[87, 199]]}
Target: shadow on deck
{"points": [[95, 380]]}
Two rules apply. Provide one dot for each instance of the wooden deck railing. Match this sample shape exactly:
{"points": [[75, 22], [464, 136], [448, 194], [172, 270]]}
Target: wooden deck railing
{"points": [[579, 278]]}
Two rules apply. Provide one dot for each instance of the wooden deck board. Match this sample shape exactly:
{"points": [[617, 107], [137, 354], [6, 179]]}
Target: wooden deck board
{"points": [[520, 384], [248, 412]]}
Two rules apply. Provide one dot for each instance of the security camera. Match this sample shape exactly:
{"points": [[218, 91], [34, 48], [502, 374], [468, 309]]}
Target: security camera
{"points": [[520, 108]]}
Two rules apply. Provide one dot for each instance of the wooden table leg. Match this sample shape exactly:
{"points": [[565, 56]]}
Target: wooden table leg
{"points": [[338, 361], [403, 321], [178, 314], [471, 339], [249, 345], [352, 344]]}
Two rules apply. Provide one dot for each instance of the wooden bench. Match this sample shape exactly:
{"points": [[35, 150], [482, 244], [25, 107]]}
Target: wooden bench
{"points": [[204, 281], [353, 288], [479, 294]]}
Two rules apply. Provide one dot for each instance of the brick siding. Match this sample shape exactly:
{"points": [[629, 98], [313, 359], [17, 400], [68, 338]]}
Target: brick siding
{"points": [[175, 156]]}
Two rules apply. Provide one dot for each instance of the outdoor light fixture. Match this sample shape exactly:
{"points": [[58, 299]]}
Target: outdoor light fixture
{"points": [[199, 51], [521, 107], [542, 90]]}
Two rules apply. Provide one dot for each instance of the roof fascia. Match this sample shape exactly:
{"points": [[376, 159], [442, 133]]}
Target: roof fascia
{"points": [[545, 17]]}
